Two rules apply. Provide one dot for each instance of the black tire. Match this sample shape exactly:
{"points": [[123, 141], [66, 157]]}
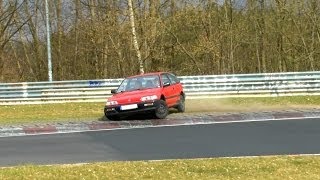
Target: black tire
{"points": [[113, 117], [181, 106], [162, 110]]}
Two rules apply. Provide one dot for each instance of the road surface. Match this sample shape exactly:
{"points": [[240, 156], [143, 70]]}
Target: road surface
{"points": [[300, 136]]}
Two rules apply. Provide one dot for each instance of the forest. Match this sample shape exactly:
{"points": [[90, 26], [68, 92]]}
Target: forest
{"points": [[93, 39]]}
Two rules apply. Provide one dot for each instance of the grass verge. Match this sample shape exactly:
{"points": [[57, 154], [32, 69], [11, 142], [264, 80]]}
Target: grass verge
{"points": [[274, 167], [94, 111]]}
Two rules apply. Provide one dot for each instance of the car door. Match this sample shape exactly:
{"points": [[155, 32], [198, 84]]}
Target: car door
{"points": [[168, 89], [177, 88]]}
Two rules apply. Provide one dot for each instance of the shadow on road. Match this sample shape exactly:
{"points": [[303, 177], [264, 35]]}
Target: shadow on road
{"points": [[140, 116]]}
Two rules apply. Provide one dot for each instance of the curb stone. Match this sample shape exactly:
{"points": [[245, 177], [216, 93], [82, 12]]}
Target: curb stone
{"points": [[184, 119]]}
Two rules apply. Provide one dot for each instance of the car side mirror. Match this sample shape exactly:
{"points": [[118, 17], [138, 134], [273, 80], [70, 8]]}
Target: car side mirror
{"points": [[113, 91], [166, 84]]}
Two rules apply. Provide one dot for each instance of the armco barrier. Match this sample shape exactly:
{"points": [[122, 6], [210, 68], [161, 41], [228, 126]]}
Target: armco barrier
{"points": [[205, 86]]}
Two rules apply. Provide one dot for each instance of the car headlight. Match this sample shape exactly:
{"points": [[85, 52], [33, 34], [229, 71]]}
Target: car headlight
{"points": [[109, 103], [149, 98]]}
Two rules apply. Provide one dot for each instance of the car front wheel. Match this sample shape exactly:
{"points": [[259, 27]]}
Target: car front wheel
{"points": [[162, 110]]}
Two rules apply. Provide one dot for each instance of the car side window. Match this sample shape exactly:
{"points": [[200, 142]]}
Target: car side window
{"points": [[173, 78], [165, 79]]}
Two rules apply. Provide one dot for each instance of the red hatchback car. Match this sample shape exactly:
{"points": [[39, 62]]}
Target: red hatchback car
{"points": [[152, 93]]}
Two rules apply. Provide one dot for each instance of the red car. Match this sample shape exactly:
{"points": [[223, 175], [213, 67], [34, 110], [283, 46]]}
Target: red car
{"points": [[152, 93]]}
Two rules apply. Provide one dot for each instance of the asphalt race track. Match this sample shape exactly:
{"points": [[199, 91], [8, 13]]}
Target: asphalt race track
{"points": [[300, 136]]}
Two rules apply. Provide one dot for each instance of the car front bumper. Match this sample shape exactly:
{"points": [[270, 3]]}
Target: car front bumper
{"points": [[141, 107]]}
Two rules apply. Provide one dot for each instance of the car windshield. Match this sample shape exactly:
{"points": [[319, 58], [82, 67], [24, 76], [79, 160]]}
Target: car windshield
{"points": [[140, 82]]}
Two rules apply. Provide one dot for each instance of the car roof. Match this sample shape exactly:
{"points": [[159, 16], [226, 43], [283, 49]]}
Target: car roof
{"points": [[147, 74]]}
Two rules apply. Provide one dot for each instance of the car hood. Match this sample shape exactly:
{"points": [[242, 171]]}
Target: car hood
{"points": [[133, 96]]}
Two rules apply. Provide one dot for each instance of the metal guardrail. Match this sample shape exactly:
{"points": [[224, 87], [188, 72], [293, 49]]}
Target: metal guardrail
{"points": [[207, 86]]}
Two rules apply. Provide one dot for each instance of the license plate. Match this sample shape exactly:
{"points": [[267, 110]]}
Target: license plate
{"points": [[128, 107]]}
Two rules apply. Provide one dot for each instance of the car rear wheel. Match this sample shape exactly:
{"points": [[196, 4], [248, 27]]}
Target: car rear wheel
{"points": [[162, 110], [181, 106], [113, 117]]}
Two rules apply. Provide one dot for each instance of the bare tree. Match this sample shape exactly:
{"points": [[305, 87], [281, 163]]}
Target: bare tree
{"points": [[115, 38], [9, 27]]}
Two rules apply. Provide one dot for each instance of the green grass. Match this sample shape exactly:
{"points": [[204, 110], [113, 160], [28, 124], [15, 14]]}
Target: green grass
{"points": [[253, 104], [94, 111], [276, 167], [294, 100], [50, 112]]}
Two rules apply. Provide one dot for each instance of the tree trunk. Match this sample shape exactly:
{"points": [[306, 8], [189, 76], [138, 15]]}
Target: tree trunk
{"points": [[76, 39], [229, 24], [60, 67], [262, 36], [134, 36], [154, 5]]}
